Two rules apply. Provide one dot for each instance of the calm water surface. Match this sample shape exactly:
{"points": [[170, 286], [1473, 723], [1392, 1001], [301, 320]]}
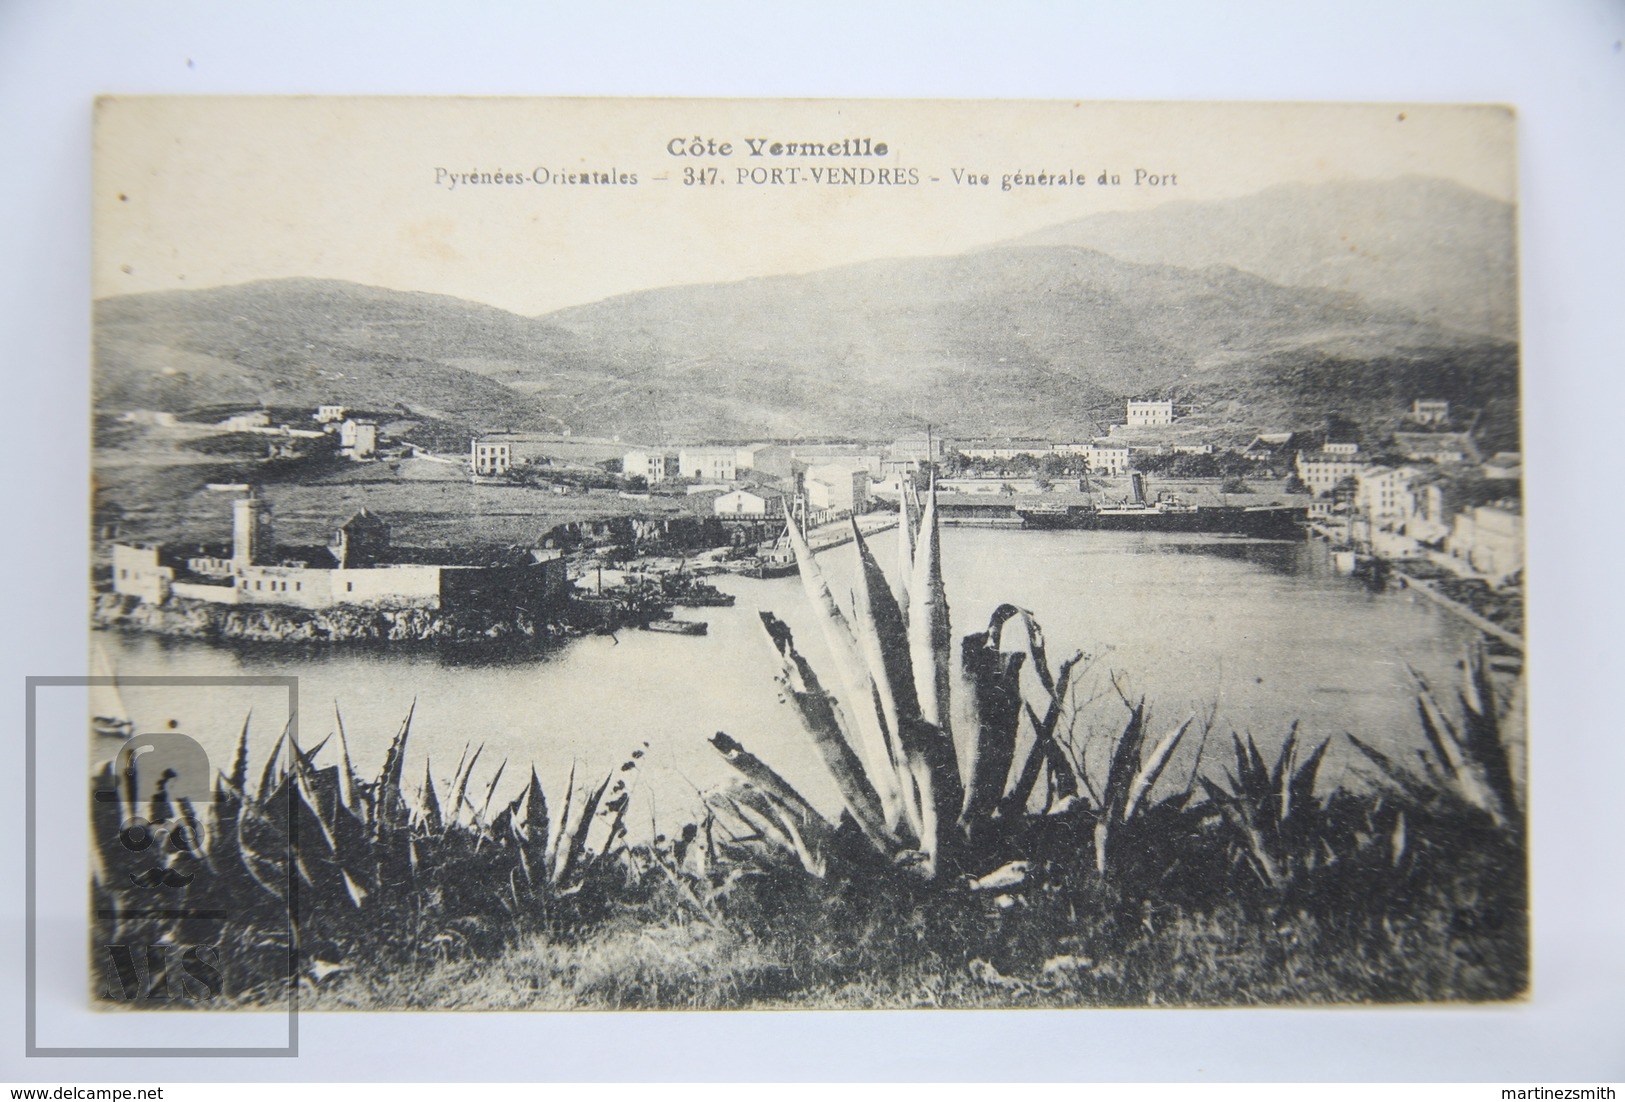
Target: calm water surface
{"points": [[1257, 634]]}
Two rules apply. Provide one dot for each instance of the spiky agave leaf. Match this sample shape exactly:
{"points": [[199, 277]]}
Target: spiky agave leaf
{"points": [[269, 773], [925, 756], [391, 804], [929, 633], [459, 786], [483, 810], [1467, 775], [347, 774], [819, 714], [1391, 771], [905, 551], [556, 840], [762, 775], [1120, 776], [237, 779], [1241, 812], [433, 822], [1044, 749], [872, 741], [1298, 783], [527, 818], [573, 838], [1152, 768]]}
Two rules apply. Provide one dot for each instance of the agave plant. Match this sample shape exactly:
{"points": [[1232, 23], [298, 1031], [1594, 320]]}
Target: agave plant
{"points": [[312, 858], [883, 723], [1469, 763]]}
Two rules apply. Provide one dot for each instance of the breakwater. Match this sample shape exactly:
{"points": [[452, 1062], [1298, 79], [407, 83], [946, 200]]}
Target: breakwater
{"points": [[184, 618]]}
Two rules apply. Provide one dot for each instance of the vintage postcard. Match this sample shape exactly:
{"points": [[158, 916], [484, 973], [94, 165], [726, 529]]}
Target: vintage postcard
{"points": [[669, 554]]}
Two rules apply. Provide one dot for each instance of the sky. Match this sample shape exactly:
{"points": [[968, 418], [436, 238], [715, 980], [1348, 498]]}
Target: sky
{"points": [[196, 192]]}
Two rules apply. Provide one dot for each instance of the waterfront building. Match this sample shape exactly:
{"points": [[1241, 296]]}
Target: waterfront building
{"points": [[359, 576], [1322, 472], [1149, 414], [363, 540], [1384, 494], [1488, 539], [1108, 459]]}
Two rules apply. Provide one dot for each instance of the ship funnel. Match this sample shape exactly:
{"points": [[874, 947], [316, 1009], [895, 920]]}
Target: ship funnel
{"points": [[1136, 482]]}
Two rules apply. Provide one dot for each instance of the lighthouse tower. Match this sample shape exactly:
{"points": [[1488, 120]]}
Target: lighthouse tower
{"points": [[251, 541]]}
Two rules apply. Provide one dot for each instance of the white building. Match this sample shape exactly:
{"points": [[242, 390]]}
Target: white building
{"points": [[1147, 414], [1321, 472], [837, 487], [358, 439], [244, 422], [715, 464], [1110, 459], [1489, 539], [652, 466], [498, 452], [1385, 494], [748, 503], [327, 414], [1430, 411], [1009, 449], [1333, 447]]}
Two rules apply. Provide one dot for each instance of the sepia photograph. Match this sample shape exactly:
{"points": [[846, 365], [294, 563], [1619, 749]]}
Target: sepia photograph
{"points": [[663, 554]]}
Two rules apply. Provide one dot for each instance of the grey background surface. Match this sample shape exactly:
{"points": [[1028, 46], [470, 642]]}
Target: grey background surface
{"points": [[1561, 64]]}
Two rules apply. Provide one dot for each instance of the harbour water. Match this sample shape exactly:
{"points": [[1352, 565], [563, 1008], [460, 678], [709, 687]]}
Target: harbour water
{"points": [[1252, 634]]}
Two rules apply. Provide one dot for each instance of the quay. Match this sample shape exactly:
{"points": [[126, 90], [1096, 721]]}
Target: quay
{"points": [[1426, 589]]}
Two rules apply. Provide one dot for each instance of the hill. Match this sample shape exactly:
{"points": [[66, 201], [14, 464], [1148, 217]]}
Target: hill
{"points": [[1430, 247], [1023, 339], [300, 342], [1267, 308]]}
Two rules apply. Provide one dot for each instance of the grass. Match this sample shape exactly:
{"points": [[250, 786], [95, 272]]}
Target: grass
{"points": [[1056, 864]]}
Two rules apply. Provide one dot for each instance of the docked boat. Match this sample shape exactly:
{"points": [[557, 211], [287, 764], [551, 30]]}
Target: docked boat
{"points": [[677, 627], [109, 717], [1169, 513]]}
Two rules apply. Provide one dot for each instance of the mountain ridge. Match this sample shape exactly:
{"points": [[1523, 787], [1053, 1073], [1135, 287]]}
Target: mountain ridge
{"points": [[1044, 334]]}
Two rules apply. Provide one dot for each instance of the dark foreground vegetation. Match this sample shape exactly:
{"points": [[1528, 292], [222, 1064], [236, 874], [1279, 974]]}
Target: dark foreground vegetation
{"points": [[1056, 865]]}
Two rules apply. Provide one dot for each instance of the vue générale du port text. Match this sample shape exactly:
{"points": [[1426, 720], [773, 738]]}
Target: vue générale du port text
{"points": [[795, 175]]}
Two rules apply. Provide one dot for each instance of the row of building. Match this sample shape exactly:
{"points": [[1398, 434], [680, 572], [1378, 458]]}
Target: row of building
{"points": [[1425, 508], [357, 571]]}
